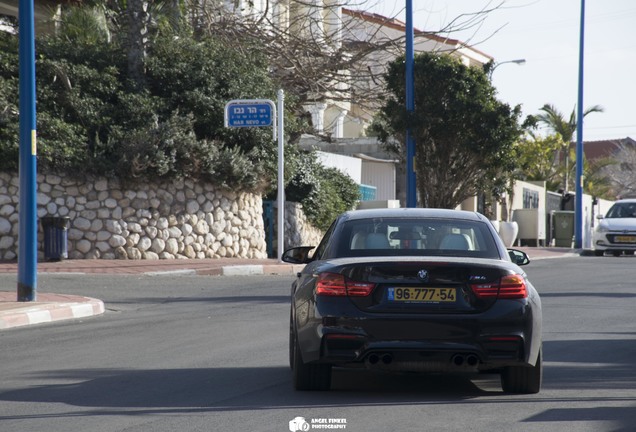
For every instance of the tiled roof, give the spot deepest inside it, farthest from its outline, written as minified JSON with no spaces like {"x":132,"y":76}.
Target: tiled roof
{"x":604,"y":148}
{"x":397,"y":24}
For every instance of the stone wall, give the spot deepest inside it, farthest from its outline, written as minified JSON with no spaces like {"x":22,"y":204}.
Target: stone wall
{"x":298,"y":230}
{"x":179,"y":219}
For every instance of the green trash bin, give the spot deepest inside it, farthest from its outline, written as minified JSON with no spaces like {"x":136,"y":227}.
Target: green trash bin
{"x":563,"y":226}
{"x":55,"y":237}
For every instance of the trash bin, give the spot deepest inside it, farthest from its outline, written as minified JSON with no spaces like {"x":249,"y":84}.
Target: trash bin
{"x":563,"y":226}
{"x":55,"y":237}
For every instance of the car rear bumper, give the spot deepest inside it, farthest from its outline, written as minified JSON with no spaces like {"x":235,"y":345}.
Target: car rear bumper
{"x":423,"y":356}
{"x":507,"y":334}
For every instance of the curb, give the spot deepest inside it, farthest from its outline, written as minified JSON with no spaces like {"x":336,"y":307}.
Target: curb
{"x":235,"y":270}
{"x":565,"y":255}
{"x":58,"y":307}
{"x":49,"y":308}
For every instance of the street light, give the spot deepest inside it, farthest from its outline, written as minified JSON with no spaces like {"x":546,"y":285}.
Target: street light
{"x":578,"y":210}
{"x":411,"y":184}
{"x":517,"y":61}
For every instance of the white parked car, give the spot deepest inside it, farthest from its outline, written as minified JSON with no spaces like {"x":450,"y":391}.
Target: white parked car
{"x":616,"y":231}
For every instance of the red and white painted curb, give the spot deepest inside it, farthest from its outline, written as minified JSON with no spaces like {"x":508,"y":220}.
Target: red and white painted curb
{"x":48,"y":308}
{"x":235,"y":270}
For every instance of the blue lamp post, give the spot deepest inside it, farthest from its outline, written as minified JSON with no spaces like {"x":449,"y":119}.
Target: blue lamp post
{"x":578,"y":213}
{"x":27,"y":242}
{"x":411,"y":189}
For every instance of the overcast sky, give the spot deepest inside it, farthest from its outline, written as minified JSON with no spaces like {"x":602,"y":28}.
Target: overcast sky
{"x":546,"y":34}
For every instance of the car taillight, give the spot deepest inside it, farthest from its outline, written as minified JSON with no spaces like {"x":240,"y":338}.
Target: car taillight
{"x":335,"y":284}
{"x":508,"y":287}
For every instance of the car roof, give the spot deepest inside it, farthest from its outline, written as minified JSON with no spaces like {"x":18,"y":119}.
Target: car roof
{"x":413,"y":213}
{"x":626,"y":200}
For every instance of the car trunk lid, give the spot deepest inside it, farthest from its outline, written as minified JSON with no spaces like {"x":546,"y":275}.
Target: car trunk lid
{"x":432,"y":286}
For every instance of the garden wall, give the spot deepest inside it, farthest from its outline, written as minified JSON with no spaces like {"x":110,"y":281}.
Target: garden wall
{"x":172,"y":220}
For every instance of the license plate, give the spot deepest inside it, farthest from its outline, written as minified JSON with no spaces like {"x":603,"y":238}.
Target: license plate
{"x":625,"y":239}
{"x":422,"y":295}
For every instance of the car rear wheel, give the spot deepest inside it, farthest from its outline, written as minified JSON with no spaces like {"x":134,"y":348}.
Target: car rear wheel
{"x":291,"y":342}
{"x":309,"y":376}
{"x":523,"y":379}
{"x":599,"y":252}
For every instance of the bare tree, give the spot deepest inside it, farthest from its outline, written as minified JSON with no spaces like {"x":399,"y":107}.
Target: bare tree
{"x":623,"y":172}
{"x":322,"y":50}
{"x":328,"y":52}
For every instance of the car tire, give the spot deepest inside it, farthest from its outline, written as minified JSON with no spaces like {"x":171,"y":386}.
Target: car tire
{"x":599,"y":252}
{"x":523,"y":379}
{"x":309,"y":376}
{"x":291,"y":341}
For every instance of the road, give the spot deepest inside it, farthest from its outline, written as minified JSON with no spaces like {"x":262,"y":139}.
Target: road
{"x":199,"y":353}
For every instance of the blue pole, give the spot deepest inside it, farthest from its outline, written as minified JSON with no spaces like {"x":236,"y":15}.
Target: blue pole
{"x":578,"y":215}
{"x":27,"y":242}
{"x":411,"y":189}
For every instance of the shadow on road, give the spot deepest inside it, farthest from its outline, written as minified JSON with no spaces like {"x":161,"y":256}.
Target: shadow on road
{"x":108,"y":392}
{"x":237,"y":389}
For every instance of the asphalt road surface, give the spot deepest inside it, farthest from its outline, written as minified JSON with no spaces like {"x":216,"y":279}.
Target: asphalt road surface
{"x":195,"y":353}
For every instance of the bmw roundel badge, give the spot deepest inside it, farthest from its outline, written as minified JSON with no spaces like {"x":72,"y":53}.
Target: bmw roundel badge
{"x":423,"y":275}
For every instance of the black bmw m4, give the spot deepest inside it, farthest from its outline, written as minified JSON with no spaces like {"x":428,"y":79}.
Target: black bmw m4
{"x":414,"y":290}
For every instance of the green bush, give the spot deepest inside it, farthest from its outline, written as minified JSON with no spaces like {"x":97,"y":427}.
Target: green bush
{"x":89,"y":120}
{"x":9,"y":119}
{"x":323,"y":192}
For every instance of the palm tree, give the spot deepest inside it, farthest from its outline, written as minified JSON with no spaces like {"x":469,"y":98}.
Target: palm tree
{"x":127,"y":22}
{"x":88,"y":25}
{"x":554,"y":119}
{"x":137,"y":41}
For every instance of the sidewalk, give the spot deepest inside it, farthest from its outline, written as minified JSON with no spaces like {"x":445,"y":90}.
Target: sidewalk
{"x":55,"y":307}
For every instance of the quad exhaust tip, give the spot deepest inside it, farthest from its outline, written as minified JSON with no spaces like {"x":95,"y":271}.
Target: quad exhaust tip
{"x":457,"y":360}
{"x":470,"y":360}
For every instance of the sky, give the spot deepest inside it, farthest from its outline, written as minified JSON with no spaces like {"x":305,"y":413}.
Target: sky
{"x":546,"y":33}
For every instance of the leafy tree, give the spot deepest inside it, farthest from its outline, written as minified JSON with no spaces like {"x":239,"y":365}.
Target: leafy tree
{"x":535,"y":155}
{"x":596,"y":181}
{"x":535,"y":159}
{"x":89,"y":120}
{"x":464,"y":136}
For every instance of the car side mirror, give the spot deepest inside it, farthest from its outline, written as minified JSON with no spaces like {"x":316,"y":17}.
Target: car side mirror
{"x":297,"y":255}
{"x":518,"y":257}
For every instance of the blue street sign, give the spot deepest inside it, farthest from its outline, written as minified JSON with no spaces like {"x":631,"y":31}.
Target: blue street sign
{"x":250,"y":113}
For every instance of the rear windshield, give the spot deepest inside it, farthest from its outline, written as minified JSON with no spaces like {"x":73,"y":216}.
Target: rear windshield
{"x":401,"y":236}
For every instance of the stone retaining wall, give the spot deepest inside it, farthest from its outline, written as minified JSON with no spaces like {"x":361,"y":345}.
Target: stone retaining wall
{"x":180,"y":219}
{"x":298,"y":230}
